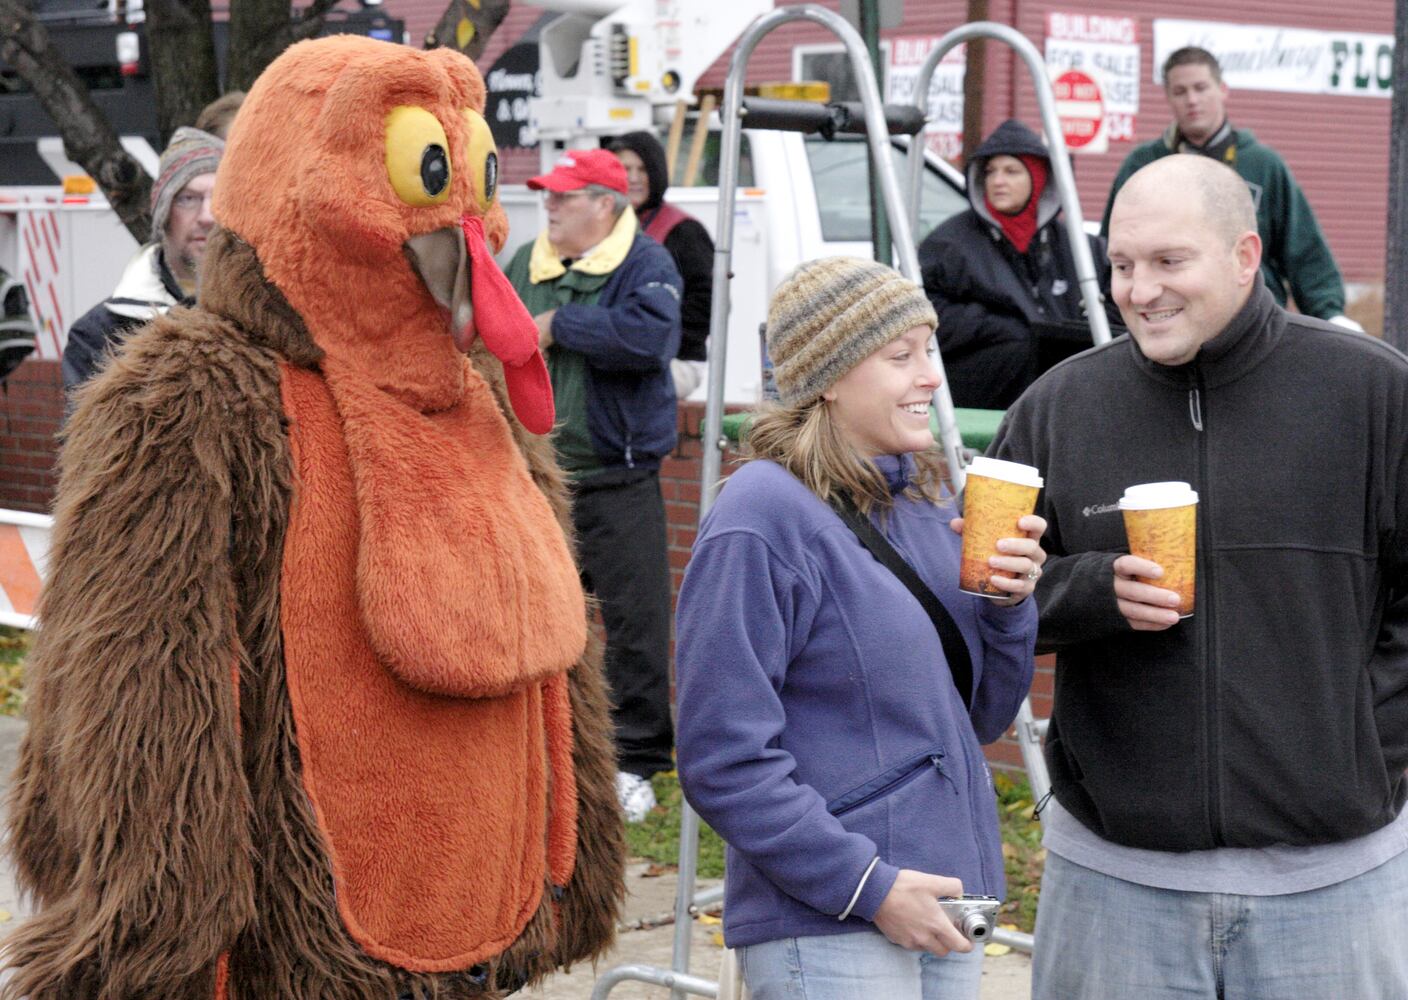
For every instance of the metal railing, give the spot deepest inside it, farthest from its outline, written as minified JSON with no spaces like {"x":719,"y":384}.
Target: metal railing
{"x":903,"y":214}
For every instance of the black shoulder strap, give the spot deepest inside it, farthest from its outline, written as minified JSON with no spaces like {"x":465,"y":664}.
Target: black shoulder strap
{"x":955,"y":647}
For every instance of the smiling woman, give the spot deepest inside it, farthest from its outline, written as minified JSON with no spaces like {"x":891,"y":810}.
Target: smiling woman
{"x":824,"y":732}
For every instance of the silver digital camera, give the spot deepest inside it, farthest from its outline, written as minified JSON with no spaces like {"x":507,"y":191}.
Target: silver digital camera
{"x":975,"y":916}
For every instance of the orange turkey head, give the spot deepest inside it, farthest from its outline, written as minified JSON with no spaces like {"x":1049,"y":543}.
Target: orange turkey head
{"x":365,"y":178}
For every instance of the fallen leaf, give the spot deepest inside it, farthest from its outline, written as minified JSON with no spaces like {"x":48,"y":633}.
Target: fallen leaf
{"x":709,"y":918}
{"x":718,"y":937}
{"x":5,"y":915}
{"x":996,"y":949}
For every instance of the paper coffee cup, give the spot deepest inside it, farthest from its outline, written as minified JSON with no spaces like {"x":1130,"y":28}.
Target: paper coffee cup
{"x":1161,"y":520}
{"x":996,"y":495}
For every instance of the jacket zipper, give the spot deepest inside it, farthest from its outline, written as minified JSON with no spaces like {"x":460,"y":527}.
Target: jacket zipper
{"x":903,"y":775}
{"x":1212,"y":743}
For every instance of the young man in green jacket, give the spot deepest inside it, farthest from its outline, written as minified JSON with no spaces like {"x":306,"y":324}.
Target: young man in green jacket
{"x":1295,"y":256}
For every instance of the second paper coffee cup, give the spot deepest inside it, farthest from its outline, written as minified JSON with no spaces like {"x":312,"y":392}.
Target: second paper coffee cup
{"x":996,"y":495}
{"x":1161,"y":521}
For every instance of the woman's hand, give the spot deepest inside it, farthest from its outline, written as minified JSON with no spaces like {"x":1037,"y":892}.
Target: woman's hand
{"x":1023,"y":556}
{"x":912,"y":918}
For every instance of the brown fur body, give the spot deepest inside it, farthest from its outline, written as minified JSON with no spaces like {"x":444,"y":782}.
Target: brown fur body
{"x":159,"y":817}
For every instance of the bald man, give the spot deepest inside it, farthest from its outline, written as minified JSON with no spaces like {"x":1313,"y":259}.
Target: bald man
{"x":1228,"y":815}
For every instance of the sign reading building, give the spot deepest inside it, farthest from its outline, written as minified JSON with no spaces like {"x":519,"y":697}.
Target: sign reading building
{"x":1106,"y":49}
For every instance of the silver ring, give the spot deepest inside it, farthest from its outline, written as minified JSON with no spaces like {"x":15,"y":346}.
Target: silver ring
{"x":1035,"y":572}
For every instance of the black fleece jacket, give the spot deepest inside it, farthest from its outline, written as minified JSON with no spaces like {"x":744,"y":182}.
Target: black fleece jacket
{"x":1278,"y":713}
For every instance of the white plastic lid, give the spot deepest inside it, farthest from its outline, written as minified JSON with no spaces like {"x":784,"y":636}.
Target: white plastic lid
{"x":1152,"y":496}
{"x":1012,"y":472}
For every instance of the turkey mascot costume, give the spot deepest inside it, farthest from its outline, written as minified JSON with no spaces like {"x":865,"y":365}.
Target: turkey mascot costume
{"x":314,"y":712}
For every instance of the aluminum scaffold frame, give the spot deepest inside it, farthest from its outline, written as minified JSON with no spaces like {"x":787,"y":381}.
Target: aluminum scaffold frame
{"x":903,"y":215}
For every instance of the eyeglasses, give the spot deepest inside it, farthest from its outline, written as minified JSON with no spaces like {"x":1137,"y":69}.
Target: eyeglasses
{"x":189,"y":201}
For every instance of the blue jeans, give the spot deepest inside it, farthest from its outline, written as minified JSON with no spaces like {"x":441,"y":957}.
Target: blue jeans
{"x":1101,"y":938}
{"x":864,"y":965}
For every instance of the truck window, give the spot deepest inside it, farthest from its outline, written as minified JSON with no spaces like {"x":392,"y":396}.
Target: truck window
{"x":708,"y":173}
{"x":843,"y":193}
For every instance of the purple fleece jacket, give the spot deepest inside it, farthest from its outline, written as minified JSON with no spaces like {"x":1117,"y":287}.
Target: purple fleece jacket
{"x":819,"y":726}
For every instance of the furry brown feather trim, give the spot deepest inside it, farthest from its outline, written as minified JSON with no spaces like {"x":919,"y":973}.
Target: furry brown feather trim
{"x":177,"y":474}
{"x":130,"y":817}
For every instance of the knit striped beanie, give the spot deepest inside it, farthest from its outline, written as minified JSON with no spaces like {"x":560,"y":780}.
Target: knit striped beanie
{"x":828,"y":315}
{"x":190,"y":153}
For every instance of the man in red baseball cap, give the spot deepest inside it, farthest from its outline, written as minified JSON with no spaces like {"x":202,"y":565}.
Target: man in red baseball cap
{"x":580,"y":168}
{"x":606,"y":298}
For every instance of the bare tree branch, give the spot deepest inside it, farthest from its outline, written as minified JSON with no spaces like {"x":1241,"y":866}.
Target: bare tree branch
{"x":467,"y":25}
{"x":182,"y":49}
{"x":261,"y":29}
{"x":255,"y":27}
{"x":89,"y":139}
{"x":310,"y":22}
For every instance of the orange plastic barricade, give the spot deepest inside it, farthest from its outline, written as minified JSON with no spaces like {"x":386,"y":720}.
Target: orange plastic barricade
{"x":24,"y":549}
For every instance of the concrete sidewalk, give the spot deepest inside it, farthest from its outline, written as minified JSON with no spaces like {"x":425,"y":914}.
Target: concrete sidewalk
{"x":1007,"y":977}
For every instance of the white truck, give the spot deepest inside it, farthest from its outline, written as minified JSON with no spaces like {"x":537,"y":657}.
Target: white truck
{"x":799,"y":198}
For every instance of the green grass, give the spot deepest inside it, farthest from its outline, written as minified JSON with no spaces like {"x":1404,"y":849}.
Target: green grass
{"x":14,"y":643}
{"x":1021,"y":848}
{"x":657,"y":839}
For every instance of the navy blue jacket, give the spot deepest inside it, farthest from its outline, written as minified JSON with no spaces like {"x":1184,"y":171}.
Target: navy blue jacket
{"x":628,"y":336}
{"x":819,"y":725}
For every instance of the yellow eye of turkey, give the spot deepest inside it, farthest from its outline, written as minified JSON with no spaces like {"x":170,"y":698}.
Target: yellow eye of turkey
{"x":417,"y":156}
{"x":483,"y":159}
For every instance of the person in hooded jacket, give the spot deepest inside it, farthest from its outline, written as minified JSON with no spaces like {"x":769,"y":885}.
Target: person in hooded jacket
{"x":688,"y":242}
{"x":1001,"y":275}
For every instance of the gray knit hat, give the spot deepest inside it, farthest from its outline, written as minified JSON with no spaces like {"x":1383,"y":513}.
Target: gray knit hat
{"x":828,"y":315}
{"x":190,"y":153}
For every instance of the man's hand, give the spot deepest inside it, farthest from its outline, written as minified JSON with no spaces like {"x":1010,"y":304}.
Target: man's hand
{"x":912,"y":918}
{"x":1146,"y":607}
{"x":544,"y":321}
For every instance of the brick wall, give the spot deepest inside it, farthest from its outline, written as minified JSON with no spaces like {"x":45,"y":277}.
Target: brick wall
{"x":31,"y":408}
{"x":679,"y":481}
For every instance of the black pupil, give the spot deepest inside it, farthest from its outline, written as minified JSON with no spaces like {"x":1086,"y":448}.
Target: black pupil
{"x":491,"y":176}
{"x":434,"y":170}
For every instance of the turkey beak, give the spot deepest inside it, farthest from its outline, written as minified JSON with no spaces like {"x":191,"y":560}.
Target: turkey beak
{"x":442,"y":262}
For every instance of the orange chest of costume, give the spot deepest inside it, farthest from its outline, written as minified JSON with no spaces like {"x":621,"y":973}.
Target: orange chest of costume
{"x":430,"y":610}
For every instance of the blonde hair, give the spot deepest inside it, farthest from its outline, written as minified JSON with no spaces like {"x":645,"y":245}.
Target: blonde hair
{"x":804,"y":440}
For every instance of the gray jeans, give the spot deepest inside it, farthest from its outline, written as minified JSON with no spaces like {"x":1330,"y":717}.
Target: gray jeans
{"x":1101,"y":938}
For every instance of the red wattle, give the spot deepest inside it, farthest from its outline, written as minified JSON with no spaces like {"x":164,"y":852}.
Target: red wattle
{"x":507,"y":329}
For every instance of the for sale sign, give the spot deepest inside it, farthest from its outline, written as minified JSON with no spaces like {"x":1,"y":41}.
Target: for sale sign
{"x":1106,"y":49}
{"x":944,"y":133}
